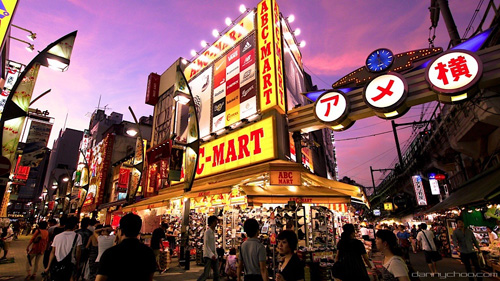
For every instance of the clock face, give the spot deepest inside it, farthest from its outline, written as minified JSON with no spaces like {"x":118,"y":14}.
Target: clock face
{"x":379,"y":60}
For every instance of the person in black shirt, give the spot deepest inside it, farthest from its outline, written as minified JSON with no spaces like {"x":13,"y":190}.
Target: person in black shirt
{"x":292,"y":268}
{"x":130,"y":259}
{"x":352,"y":253}
{"x":156,"y":241}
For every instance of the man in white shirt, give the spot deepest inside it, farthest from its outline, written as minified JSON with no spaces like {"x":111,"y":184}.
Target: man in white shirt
{"x":426,"y":239}
{"x":63,"y":246}
{"x":209,"y":251}
{"x":364,"y":233}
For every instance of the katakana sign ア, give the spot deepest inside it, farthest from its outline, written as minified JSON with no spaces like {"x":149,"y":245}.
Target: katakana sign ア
{"x":386,"y":92}
{"x":331,"y":107}
{"x":454,"y":72}
{"x":419,"y":190}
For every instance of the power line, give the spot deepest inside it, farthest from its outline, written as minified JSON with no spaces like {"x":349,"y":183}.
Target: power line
{"x":377,"y":156}
{"x":372,"y":135}
{"x":328,"y":85}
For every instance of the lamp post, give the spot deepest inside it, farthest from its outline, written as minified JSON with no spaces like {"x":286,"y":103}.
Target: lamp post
{"x":57,"y":56}
{"x":139,"y":166}
{"x":30,"y":47}
{"x":32,"y":35}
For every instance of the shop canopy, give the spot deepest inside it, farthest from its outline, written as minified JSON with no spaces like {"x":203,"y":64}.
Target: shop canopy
{"x":480,"y":189}
{"x":255,"y":182}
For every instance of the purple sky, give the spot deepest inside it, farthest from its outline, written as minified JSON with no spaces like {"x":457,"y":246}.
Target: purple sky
{"x":120,"y":42}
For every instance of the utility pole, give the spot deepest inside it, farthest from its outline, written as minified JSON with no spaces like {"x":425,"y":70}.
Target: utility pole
{"x":394,"y":126}
{"x":450,"y":23}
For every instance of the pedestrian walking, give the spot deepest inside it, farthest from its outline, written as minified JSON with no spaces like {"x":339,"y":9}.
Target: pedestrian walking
{"x":130,"y":259}
{"x":426,"y":240}
{"x":66,"y":250}
{"x":104,"y":240}
{"x":231,"y":264}
{"x":93,"y":248}
{"x":351,"y":254}
{"x":35,"y":249}
{"x":52,"y":224}
{"x":172,"y":234}
{"x":209,"y":251}
{"x":7,"y":236}
{"x":252,"y":255}
{"x":292,"y":268}
{"x":404,"y":242}
{"x":394,"y":267}
{"x":85,"y":233}
{"x":156,"y":242}
{"x":464,"y":240}
{"x":413,"y":238}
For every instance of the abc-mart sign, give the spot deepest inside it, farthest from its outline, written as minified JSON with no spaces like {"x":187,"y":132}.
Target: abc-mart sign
{"x":453,"y":76}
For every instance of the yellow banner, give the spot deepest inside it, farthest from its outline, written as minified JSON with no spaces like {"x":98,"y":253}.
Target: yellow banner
{"x":228,"y":40}
{"x":7,"y":8}
{"x":247,"y":146}
{"x":270,"y":67}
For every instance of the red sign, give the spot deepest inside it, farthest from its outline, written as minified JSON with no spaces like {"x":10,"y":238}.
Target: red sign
{"x":440,"y":177}
{"x":163,"y":169}
{"x":22,"y":173}
{"x":159,"y":152}
{"x":153,"y":90}
{"x":124,"y":178}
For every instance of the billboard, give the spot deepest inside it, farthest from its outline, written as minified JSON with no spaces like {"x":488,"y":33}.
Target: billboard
{"x":201,"y":89}
{"x":234,"y":95}
{"x":7,"y":9}
{"x":270,"y":65}
{"x":232,"y":37}
{"x":295,"y":84}
{"x":13,"y":71}
{"x":39,"y":132}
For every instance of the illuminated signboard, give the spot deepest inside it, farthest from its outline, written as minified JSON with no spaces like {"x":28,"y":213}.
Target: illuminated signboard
{"x":270,"y":64}
{"x":419,"y":190}
{"x":13,"y":71}
{"x":434,"y":187}
{"x":201,"y":89}
{"x":388,"y":206}
{"x":454,"y":72}
{"x":234,"y":95}
{"x":247,"y":146}
{"x":233,"y":36}
{"x":386,"y":92}
{"x":285,"y":178}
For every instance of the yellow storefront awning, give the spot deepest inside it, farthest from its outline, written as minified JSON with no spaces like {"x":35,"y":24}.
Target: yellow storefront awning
{"x":303,"y":194}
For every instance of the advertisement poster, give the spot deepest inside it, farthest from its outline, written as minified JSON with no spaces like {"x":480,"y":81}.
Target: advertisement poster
{"x":201,"y":89}
{"x":234,"y":95}
{"x":294,"y":80}
{"x":39,"y":132}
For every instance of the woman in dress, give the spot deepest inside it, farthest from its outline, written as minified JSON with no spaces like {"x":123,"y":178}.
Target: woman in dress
{"x":394,"y":266}
{"x":291,"y":269}
{"x":352,"y":253}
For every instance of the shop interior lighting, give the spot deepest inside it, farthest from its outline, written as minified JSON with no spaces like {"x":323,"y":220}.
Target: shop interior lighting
{"x":290,"y":18}
{"x":243,"y":8}
{"x":31,"y":36}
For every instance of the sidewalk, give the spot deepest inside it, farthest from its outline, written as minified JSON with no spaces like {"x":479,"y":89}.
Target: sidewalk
{"x":17,"y":272}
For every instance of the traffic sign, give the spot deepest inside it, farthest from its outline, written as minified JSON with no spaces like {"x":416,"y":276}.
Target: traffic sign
{"x":4,"y":165}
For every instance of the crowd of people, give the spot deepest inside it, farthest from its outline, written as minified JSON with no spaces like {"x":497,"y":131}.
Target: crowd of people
{"x":88,"y":250}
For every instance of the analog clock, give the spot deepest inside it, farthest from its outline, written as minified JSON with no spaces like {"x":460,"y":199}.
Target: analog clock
{"x":379,"y":60}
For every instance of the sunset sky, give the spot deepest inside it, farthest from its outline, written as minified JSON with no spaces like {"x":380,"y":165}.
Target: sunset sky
{"x":120,"y":42}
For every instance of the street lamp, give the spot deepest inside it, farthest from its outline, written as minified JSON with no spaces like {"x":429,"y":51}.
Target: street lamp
{"x":31,"y":36}
{"x":55,"y":55}
{"x":30,"y":47}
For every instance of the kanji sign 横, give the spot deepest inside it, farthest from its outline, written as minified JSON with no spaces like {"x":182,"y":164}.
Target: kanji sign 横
{"x":331,"y":107}
{"x":454,"y":72}
{"x":419,"y":190}
{"x":386,"y":92}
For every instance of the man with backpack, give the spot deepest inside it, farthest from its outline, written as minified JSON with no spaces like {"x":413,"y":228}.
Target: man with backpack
{"x":66,"y":251}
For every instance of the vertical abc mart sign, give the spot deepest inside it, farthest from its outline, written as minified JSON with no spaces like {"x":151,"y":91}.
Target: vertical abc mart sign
{"x":332,"y":107}
{"x":454,"y":73}
{"x":386,"y":95}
